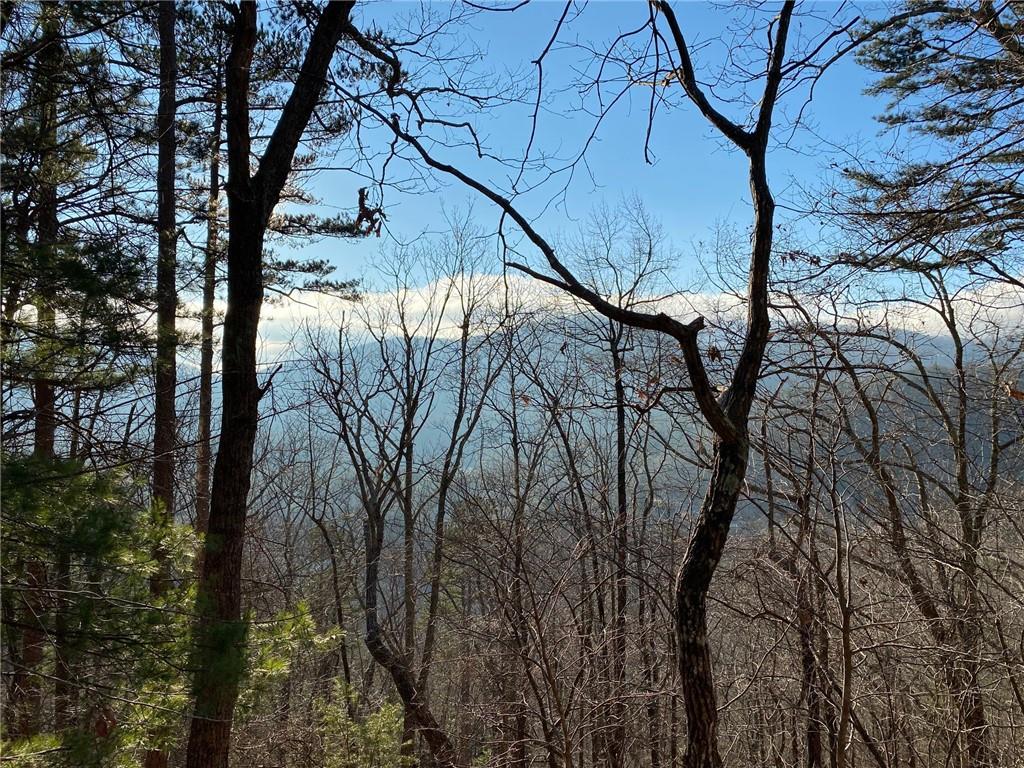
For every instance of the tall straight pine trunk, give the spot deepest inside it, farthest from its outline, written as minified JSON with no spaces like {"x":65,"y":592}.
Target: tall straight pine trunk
{"x":204,"y":447}
{"x":164,"y":426}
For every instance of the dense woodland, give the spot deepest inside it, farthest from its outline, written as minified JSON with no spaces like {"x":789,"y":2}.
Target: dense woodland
{"x":527,"y":494}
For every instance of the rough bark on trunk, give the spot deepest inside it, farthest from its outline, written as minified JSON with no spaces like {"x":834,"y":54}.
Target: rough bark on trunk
{"x":164,"y":412}
{"x":222,"y":630}
{"x":219,"y":649}
{"x":731,"y":446}
{"x":693,"y":653}
{"x":164,"y":428}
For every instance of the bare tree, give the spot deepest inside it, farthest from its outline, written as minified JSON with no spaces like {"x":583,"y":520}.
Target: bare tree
{"x":726,"y":415}
{"x":381,"y":388}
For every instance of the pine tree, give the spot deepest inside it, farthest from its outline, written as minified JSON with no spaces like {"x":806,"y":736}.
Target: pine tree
{"x":953,"y":73}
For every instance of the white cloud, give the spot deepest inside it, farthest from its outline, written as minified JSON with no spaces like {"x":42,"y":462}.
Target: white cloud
{"x":437,"y":307}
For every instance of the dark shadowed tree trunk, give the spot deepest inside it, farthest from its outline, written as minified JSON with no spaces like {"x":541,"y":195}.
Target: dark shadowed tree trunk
{"x":220,"y":653}
{"x":164,"y":432}
{"x":164,"y":426}
{"x":616,"y":741}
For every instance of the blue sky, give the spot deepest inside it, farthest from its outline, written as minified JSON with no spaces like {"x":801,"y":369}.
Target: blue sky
{"x":696,"y":180}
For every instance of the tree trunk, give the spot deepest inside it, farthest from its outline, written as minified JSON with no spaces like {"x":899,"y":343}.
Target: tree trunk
{"x":693,"y":654}
{"x":731,"y":451}
{"x":204,"y":445}
{"x":616,"y":742}
{"x":220,"y":639}
{"x":164,"y":415}
{"x":28,"y":699}
{"x":164,"y":431}
{"x":408,"y":561}
{"x":26,"y":706}
{"x":221,"y":633}
{"x":647,"y":621}
{"x":416,"y":707}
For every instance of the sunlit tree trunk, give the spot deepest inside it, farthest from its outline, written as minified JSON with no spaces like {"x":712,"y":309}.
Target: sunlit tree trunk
{"x":204,"y":446}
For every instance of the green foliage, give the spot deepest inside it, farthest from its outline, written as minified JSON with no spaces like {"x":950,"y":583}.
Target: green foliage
{"x":95,"y":538}
{"x":32,"y":752}
{"x":273,"y":645}
{"x":371,"y":741}
{"x":72,"y":749}
{"x":953,"y":74}
{"x":945,"y":70}
{"x":65,"y":241}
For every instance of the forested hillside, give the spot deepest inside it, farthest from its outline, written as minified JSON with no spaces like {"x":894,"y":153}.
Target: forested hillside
{"x":506,"y":385}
